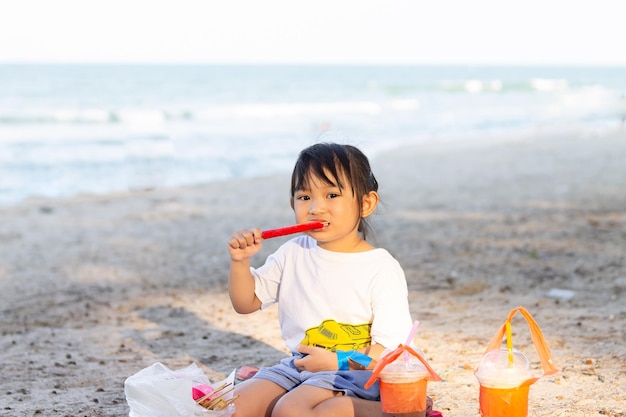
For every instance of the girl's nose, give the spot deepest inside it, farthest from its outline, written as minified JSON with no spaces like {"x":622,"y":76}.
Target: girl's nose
{"x":317,"y":206}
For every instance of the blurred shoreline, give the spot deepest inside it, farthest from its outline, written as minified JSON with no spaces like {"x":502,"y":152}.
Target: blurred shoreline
{"x":440,"y":145}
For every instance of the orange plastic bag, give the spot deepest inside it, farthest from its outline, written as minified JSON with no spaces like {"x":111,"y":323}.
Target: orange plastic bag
{"x":403,"y":375}
{"x":505,"y":375}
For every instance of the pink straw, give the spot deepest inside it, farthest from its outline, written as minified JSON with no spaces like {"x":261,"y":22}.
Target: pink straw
{"x":288,"y":230}
{"x":409,"y":340}
{"x":412,"y":334}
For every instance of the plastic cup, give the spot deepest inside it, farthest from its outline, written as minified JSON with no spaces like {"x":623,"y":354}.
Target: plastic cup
{"x":403,"y":390}
{"x":504,"y":402}
{"x":502,"y":389}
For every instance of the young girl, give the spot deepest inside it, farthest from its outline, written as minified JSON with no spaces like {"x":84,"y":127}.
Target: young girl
{"x":341,"y":301}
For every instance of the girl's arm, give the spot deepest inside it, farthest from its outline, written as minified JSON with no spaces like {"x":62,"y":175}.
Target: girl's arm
{"x":241,"y":288}
{"x":242,"y":246}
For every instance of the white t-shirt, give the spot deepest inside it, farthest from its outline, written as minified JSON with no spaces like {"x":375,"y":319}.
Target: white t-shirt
{"x":335,"y":300}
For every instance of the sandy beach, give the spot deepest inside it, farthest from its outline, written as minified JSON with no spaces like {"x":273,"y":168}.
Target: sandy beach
{"x":95,"y":288}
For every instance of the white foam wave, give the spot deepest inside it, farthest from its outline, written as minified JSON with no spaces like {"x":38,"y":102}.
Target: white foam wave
{"x":548,"y":85}
{"x":127,"y":116}
{"x":136,"y":117}
{"x":60,"y":115}
{"x":277,"y":110}
{"x":81,"y":116}
{"x":473,"y":85}
{"x":141,"y":116}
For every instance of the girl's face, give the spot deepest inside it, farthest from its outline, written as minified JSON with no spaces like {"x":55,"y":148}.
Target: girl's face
{"x":338,"y":207}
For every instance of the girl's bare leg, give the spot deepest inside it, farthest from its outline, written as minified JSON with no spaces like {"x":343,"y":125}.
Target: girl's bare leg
{"x":309,"y":401}
{"x":257,"y":398}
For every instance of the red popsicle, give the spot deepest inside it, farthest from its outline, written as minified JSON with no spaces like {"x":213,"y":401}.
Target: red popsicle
{"x":297,"y":228}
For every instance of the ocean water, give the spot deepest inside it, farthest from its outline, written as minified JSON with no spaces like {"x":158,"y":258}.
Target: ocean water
{"x":73,"y":129}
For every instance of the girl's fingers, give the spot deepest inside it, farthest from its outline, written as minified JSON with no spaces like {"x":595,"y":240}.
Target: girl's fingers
{"x":245,"y":238}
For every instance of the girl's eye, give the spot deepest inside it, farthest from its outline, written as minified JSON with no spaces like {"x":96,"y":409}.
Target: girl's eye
{"x":303,"y":197}
{"x":333,"y":195}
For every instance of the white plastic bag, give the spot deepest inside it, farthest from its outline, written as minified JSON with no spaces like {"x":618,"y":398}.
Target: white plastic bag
{"x":157,"y":391}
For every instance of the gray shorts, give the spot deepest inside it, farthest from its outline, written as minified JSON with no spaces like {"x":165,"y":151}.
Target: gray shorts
{"x":349,"y":383}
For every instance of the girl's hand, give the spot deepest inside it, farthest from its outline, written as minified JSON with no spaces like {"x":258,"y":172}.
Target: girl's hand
{"x":244,"y":244}
{"x":316,"y":359}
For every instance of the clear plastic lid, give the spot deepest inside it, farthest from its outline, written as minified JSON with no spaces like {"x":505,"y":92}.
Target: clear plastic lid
{"x":406,"y":366}
{"x":501,"y":369}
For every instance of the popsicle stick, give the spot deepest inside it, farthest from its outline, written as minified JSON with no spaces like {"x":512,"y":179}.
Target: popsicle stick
{"x":213,"y":393}
{"x":288,"y":230}
{"x":217,"y":399}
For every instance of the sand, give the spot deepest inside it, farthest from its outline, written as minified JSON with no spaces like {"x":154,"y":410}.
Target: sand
{"x":95,"y":288}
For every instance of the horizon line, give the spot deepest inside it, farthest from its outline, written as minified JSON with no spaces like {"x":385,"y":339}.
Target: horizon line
{"x":317,"y":63}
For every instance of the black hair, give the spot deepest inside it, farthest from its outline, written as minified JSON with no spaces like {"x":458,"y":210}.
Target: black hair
{"x":326,"y":162}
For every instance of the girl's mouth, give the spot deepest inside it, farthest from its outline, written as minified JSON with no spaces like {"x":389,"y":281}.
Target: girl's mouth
{"x":325,"y":224}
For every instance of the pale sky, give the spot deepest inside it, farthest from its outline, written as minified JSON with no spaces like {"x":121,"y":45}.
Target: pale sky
{"x":535,"y":32}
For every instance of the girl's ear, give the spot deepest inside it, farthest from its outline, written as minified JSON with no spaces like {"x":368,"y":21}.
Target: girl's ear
{"x":370,"y":201}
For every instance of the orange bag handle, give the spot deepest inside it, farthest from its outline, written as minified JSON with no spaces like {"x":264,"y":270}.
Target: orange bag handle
{"x":392,"y":356}
{"x":541,"y":346}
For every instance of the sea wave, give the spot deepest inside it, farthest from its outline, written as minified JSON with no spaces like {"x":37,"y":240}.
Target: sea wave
{"x":560,"y":89}
{"x":207,"y":112}
{"x":88,"y":116}
{"x":473,"y":85}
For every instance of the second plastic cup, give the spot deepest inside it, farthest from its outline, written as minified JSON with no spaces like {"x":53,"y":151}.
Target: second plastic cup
{"x":503,"y":392}
{"x":504,"y":402}
{"x":403,"y":390}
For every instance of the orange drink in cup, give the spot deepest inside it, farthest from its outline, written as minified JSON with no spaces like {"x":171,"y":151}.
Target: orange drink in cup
{"x":403,"y":375}
{"x":504,"y":402}
{"x":503,"y":376}
{"x":403,"y":393}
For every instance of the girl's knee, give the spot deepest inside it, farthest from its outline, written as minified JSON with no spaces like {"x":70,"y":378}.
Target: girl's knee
{"x":256,"y":398}
{"x":289,"y":409}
